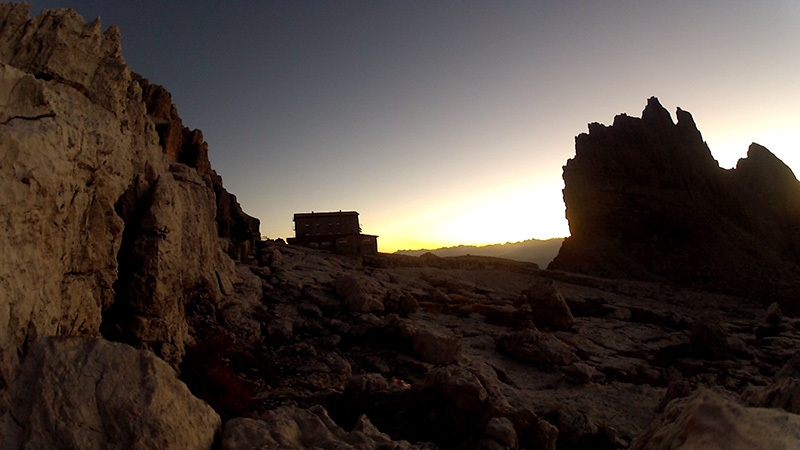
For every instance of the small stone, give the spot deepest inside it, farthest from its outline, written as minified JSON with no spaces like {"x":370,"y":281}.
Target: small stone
{"x":499,"y":434}
{"x":774,"y":314}
{"x":436,"y":346}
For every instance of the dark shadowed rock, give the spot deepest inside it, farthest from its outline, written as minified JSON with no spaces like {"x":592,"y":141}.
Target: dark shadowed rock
{"x":709,"y":340}
{"x":774,"y":314}
{"x":296,"y":428}
{"x":535,"y":347}
{"x":646,"y":200}
{"x":549,"y":308}
{"x":499,"y":435}
{"x":435,"y":345}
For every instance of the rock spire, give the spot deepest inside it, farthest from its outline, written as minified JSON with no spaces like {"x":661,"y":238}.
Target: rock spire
{"x":646,"y":200}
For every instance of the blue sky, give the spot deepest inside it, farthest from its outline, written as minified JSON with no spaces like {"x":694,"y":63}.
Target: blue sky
{"x":448,"y":123}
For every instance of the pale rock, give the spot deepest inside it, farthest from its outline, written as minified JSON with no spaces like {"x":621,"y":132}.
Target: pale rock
{"x":296,"y":428}
{"x":237,"y":311}
{"x":86,"y":393}
{"x":271,"y":257}
{"x":108,"y":236}
{"x":348,"y":285}
{"x":708,"y":421}
{"x":65,"y":162}
{"x":170,"y":256}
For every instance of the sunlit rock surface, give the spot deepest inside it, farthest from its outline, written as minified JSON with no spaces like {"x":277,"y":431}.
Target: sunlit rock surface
{"x":86,"y":393}
{"x":105,"y":234}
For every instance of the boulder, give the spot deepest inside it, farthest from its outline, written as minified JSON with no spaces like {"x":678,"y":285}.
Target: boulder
{"x":93,"y":394}
{"x":363,"y":302}
{"x":499,"y":435}
{"x":708,"y":339}
{"x":436,"y":345}
{"x":360,"y":294}
{"x":550,"y":310}
{"x":447,"y":407}
{"x":706,"y":420}
{"x":774,"y":314}
{"x":532,"y":346}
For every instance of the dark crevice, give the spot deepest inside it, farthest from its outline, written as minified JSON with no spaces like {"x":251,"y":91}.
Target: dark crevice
{"x":118,"y":319}
{"x":43,"y":76}
{"x":40,"y":116}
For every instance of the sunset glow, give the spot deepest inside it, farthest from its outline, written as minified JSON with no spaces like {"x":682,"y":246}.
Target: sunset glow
{"x":502,"y":215}
{"x":446,"y":123}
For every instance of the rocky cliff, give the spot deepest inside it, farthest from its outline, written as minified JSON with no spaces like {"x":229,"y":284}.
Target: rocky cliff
{"x":114,"y":223}
{"x":646,"y":200}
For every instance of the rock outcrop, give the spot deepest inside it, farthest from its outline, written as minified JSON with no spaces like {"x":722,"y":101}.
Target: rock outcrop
{"x":707,"y":420}
{"x":110,"y":229}
{"x":93,"y":394}
{"x":646,"y":200}
{"x":186,"y":146}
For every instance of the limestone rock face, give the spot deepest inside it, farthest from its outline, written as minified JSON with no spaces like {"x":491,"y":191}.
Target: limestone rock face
{"x":93,"y":394}
{"x":67,"y":156}
{"x":708,"y":421}
{"x":104,"y":232}
{"x":186,"y":146}
{"x":169,"y":237}
{"x":646,"y":200}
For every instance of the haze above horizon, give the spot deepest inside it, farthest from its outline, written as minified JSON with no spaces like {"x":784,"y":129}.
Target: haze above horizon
{"x":447,"y":123}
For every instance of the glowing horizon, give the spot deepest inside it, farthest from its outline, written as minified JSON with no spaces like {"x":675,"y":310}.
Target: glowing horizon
{"x":447,"y":123}
{"x":472,"y":224}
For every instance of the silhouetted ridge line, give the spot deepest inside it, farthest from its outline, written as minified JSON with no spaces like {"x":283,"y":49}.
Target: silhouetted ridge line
{"x":537,"y":251}
{"x":646,"y":200}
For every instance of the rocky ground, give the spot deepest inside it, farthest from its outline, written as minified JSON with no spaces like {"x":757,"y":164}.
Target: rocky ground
{"x":477,"y":352}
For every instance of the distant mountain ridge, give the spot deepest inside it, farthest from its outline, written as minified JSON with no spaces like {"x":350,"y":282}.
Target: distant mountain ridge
{"x":537,"y":251}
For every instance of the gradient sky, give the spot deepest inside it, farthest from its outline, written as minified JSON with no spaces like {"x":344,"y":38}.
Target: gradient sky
{"x":448,"y":123}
